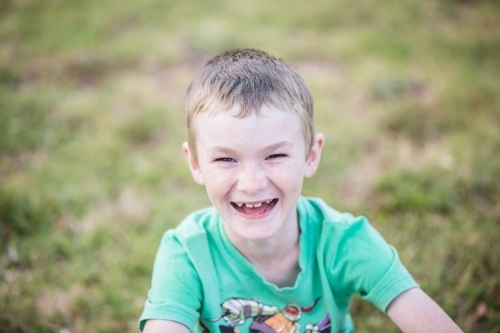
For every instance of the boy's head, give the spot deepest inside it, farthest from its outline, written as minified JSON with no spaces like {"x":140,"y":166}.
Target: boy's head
{"x":252,"y":142}
{"x":248,"y":79}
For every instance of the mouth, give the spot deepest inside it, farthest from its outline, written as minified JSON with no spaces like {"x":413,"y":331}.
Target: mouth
{"x":255,"y":208}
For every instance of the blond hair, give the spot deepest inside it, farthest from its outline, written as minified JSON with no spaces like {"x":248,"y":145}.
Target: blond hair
{"x":249,"y":79}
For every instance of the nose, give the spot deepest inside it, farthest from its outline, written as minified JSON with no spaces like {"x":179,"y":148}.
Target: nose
{"x":252,"y":179}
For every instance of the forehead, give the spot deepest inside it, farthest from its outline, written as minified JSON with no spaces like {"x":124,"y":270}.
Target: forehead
{"x":266,"y":127}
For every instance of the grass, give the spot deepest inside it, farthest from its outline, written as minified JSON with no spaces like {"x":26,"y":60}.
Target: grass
{"x":91,"y":123}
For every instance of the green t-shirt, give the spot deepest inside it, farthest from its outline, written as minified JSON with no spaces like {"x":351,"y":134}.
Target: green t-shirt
{"x":202,"y":281}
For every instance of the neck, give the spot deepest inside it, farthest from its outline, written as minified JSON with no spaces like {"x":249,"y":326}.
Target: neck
{"x":271,"y":250}
{"x":275,"y":258}
{"x":276,"y":246}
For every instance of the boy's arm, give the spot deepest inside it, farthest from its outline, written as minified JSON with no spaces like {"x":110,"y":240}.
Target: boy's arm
{"x":414,"y":311}
{"x":164,"y":326}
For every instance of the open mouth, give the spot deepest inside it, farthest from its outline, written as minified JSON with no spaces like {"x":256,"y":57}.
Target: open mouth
{"x":255,"y":208}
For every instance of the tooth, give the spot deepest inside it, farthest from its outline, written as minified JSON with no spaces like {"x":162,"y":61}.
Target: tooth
{"x":249,"y":205}
{"x":257,"y":205}
{"x":268,"y":201}
{"x":239,"y":205}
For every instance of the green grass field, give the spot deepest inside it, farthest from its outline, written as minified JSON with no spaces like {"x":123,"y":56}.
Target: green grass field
{"x":407,"y":94}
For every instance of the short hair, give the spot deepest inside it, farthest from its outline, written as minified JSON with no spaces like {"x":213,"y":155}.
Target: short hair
{"x":250,"y":79}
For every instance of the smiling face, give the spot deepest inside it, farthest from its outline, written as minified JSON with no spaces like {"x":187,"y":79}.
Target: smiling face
{"x":253,"y":168}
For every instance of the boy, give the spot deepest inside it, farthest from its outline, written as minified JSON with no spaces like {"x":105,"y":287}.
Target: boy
{"x":263,"y":258}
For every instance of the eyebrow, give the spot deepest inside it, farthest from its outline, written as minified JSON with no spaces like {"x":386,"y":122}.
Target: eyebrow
{"x":218,"y":149}
{"x":283,"y":144}
{"x":274,"y":146}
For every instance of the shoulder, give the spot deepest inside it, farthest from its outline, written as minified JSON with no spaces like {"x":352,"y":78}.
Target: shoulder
{"x":344,"y":238}
{"x":330,"y":220}
{"x":195,"y":226}
{"x":189,"y":243}
{"x":184,"y":249}
{"x":331,"y":230}
{"x":348,"y":237}
{"x":356,"y":257}
{"x":316,"y":209}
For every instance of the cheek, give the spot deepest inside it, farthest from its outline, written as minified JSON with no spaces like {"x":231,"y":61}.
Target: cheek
{"x":217,"y":183}
{"x":289,"y":178}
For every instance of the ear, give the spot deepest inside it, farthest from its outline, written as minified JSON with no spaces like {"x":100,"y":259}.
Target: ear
{"x":315,"y":155}
{"x":193,"y":165}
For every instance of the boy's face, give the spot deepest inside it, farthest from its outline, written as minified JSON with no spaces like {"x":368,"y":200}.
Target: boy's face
{"x":253,"y":168}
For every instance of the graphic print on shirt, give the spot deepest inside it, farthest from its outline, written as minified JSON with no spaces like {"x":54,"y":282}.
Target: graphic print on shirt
{"x":265,"y":318}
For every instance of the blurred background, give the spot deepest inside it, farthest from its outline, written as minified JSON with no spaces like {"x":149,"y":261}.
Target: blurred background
{"x":91,"y":124}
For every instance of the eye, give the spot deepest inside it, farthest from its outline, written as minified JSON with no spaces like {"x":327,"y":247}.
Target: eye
{"x":224,"y":159}
{"x":273,"y":156}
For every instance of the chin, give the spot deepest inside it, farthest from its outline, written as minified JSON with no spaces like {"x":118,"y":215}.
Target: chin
{"x":256,"y":234}
{"x":255,"y":238}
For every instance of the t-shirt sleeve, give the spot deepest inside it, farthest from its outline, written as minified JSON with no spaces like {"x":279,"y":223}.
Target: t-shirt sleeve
{"x":367,"y":265}
{"x":175,"y":292}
